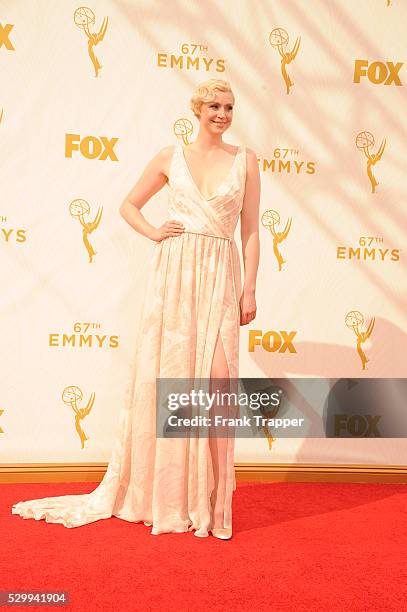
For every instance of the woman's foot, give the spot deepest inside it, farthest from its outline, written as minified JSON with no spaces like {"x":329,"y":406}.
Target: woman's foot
{"x":222,"y":533}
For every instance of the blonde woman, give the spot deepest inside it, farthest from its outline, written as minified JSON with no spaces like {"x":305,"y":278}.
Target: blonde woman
{"x":194,"y":305}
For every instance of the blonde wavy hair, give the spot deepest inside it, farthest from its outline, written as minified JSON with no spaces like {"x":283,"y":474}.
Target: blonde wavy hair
{"x":205,"y":92}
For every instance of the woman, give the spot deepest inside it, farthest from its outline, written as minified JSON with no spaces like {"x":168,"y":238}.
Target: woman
{"x":189,"y":329}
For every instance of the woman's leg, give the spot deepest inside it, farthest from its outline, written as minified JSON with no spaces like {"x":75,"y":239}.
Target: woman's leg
{"x":218,"y":446}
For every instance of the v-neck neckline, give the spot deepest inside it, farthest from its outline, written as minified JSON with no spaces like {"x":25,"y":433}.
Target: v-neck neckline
{"x":220,"y":185}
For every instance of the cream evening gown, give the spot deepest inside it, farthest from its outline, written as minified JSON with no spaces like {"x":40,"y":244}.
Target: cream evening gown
{"x":192,"y":292}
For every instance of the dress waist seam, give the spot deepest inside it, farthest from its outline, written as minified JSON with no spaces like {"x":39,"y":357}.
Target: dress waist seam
{"x":205,"y":234}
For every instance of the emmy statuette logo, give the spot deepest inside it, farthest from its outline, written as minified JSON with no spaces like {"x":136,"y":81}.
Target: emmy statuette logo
{"x":78,"y":209}
{"x":1,"y":430}
{"x":279,"y":40}
{"x":72,"y":396}
{"x":83,"y":18}
{"x":354,"y":320}
{"x":364,"y":141}
{"x":183,"y":130}
{"x":5,"y":36}
{"x":269,"y":412}
{"x":271,"y":219}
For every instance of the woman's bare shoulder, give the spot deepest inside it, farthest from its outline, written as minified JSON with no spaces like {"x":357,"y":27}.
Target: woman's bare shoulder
{"x":165,"y":155}
{"x":250,"y":152}
{"x":252,"y":163}
{"x":166,"y":152}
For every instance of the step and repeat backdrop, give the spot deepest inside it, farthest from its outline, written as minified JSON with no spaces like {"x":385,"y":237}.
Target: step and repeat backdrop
{"x":89,"y":94}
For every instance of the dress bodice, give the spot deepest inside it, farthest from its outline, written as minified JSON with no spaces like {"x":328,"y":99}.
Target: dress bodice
{"x":216,"y":215}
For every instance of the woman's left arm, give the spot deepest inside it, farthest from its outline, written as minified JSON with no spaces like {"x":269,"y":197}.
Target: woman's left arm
{"x":249,"y":229}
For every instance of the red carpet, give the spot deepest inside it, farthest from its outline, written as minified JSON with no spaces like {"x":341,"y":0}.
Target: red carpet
{"x":319,"y":547}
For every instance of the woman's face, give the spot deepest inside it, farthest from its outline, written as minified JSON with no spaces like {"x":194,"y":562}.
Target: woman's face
{"x":217,"y":116}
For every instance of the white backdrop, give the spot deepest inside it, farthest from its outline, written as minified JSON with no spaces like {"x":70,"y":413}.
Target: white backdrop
{"x":68,"y":322}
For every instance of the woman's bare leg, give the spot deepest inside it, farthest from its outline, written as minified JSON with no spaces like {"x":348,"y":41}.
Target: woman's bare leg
{"x":218,"y":446}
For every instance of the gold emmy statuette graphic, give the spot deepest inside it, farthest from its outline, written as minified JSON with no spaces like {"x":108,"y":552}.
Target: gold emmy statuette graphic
{"x":270,"y":219}
{"x":279,"y":39}
{"x":183,"y":128}
{"x":80,"y":208}
{"x":1,"y":430}
{"x":354,"y":320}
{"x":83,"y":18}
{"x":71,"y":396}
{"x":270,"y":415}
{"x":365,"y":140}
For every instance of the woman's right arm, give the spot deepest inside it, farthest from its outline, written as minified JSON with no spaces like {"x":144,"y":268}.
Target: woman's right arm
{"x":152,"y":180}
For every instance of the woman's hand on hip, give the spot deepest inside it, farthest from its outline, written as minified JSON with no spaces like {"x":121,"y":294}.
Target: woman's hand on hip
{"x":169,"y":228}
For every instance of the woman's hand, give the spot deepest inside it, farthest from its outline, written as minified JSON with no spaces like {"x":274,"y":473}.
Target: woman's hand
{"x":248,"y":307}
{"x":169,"y":228}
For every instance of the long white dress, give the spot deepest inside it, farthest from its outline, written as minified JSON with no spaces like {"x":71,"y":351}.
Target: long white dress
{"x":192,"y":293}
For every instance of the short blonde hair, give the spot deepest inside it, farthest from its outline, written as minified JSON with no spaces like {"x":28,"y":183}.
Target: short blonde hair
{"x":205,"y":92}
